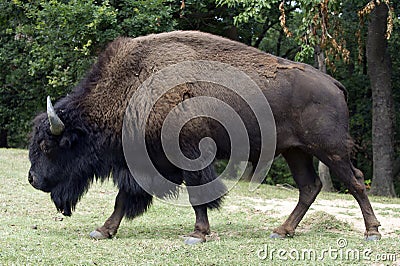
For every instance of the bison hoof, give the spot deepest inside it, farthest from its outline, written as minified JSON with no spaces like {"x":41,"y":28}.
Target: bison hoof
{"x":372,"y":237}
{"x":97,"y":235}
{"x":193,"y":240}
{"x":276,"y":236}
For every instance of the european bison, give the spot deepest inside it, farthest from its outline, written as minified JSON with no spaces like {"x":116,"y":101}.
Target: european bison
{"x":80,"y":139}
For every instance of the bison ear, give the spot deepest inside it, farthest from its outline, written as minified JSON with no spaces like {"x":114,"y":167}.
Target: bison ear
{"x":70,"y":139}
{"x":65,"y":143}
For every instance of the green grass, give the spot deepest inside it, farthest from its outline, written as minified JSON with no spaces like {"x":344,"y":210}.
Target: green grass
{"x":33,"y":233}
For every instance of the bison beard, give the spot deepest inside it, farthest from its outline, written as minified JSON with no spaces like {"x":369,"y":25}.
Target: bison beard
{"x":81,"y":140}
{"x":66,"y":196}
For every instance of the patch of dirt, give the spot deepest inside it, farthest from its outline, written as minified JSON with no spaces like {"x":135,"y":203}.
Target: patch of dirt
{"x":346,"y":211}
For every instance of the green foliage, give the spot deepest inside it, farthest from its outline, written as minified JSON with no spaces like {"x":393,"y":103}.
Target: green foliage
{"x":137,"y":18}
{"x":307,"y":21}
{"x":220,"y":166}
{"x":252,"y":9}
{"x":394,"y":48}
{"x":279,"y":173}
{"x":206,"y":16}
{"x":61,"y":36}
{"x":47,"y":46}
{"x":343,"y":24}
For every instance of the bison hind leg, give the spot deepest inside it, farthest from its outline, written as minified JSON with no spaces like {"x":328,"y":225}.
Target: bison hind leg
{"x":353,"y":179}
{"x":309,"y":184}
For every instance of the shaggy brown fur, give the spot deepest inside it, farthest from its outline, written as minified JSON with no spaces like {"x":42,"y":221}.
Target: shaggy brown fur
{"x":309,"y":108}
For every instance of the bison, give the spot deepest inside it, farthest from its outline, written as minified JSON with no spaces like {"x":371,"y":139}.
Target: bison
{"x":79,"y":140}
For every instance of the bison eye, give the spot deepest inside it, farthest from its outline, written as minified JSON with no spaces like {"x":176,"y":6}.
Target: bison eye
{"x":44,"y":146}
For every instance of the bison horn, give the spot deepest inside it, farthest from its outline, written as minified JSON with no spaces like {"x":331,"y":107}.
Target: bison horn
{"x":56,"y":125}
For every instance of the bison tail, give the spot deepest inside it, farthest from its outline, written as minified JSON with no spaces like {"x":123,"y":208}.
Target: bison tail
{"x":342,"y":88}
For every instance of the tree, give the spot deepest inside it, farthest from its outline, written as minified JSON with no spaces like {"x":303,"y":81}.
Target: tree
{"x":47,"y":46}
{"x":332,"y":26}
{"x":312,"y":34}
{"x":379,"y":71}
{"x":323,"y":170}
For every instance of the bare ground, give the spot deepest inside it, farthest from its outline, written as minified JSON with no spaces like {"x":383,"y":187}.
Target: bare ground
{"x":347,"y":211}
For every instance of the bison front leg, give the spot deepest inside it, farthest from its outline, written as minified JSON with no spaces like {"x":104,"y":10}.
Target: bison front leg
{"x":201,"y":227}
{"x":301,"y":166}
{"x":110,"y":227}
{"x":202,"y":196}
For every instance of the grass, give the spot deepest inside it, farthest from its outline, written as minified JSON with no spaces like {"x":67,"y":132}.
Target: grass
{"x":33,"y":233}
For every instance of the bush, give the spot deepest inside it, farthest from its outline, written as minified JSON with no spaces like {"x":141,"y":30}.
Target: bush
{"x":48,"y":46}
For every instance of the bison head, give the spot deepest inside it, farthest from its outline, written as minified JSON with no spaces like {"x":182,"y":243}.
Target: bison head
{"x":58,"y":156}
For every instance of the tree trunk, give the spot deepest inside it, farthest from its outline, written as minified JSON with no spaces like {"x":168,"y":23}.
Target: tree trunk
{"x":379,"y":71}
{"x":325,"y":177}
{"x":319,"y":59}
{"x":323,"y":170}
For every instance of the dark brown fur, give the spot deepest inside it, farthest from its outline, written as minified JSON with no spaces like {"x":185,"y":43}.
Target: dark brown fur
{"x":309,"y":108}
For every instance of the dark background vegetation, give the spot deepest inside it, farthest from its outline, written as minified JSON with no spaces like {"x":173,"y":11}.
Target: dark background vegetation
{"x":47,"y":46}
